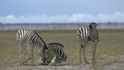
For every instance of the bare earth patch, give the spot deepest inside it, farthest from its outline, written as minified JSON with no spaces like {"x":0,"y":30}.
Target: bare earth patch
{"x":117,"y":65}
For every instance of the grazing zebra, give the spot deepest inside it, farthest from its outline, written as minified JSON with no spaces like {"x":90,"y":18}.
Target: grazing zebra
{"x":55,"y":54}
{"x":28,"y":39}
{"x":88,"y":35}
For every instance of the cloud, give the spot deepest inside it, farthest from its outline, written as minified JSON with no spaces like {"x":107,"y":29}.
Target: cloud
{"x":79,"y":17}
{"x":83,"y":17}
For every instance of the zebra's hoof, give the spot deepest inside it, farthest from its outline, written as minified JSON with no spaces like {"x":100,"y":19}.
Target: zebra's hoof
{"x":43,"y":64}
{"x":61,"y":64}
{"x":52,"y":64}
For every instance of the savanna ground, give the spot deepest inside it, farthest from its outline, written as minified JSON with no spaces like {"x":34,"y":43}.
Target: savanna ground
{"x":110,"y":47}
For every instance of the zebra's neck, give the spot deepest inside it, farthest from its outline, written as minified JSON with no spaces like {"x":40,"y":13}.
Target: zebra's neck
{"x":42,"y":43}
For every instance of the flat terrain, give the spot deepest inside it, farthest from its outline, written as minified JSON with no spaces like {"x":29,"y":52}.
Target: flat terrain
{"x":118,"y":65}
{"x":109,"y":48}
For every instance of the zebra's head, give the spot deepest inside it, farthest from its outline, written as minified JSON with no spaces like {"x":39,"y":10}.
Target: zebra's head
{"x":93,"y":34}
{"x":49,"y":56}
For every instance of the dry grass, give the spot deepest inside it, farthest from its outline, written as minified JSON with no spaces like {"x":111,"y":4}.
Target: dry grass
{"x":109,"y":47}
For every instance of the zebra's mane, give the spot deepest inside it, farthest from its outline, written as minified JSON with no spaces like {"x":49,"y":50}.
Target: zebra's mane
{"x":41,"y":39}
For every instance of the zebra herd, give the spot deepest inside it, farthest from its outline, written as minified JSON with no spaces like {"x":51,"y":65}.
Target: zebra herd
{"x":53,"y":53}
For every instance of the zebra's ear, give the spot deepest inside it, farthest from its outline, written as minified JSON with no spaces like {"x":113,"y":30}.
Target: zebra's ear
{"x":92,"y":25}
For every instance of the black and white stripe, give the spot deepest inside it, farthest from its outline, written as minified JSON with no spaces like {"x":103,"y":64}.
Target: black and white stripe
{"x":88,"y":35}
{"x":56,"y":54}
{"x":29,"y":39}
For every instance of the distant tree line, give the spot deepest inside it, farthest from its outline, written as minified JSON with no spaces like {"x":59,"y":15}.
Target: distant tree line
{"x":106,"y":23}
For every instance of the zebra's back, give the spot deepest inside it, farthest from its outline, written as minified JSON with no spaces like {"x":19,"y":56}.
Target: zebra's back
{"x":83,"y":31}
{"x":29,"y":36}
{"x":56,"y":49}
{"x":83,"y":34}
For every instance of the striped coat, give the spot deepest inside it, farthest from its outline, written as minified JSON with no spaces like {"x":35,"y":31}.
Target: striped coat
{"x":28,"y":39}
{"x":56,"y":54}
{"x":88,"y":35}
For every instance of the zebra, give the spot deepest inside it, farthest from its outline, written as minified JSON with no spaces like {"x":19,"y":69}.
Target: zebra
{"x":55,"y":54}
{"x":28,"y":39}
{"x":88,"y":35}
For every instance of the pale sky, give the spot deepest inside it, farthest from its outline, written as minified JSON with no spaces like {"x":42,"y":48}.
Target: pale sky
{"x":46,"y":11}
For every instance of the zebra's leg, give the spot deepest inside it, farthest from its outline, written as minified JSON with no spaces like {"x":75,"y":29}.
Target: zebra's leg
{"x":80,"y":54}
{"x":42,"y":56}
{"x":84,"y":56}
{"x":53,"y":61}
{"x":59,"y":61}
{"x":30,"y":53}
{"x":21,"y":53}
{"x":93,"y":54}
{"x":80,"y":49}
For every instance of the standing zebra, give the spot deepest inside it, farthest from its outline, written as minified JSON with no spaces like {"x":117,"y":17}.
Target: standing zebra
{"x":86,"y":35}
{"x":28,"y":39}
{"x":55,"y":54}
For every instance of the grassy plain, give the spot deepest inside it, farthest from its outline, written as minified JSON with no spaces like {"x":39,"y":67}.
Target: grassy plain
{"x":111,"y":45}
